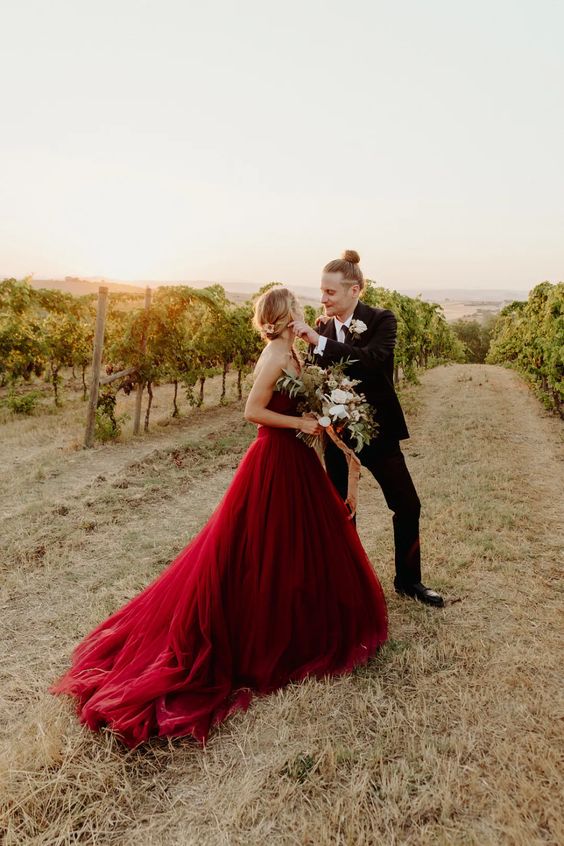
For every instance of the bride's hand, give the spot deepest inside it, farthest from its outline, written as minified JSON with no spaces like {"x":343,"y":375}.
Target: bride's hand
{"x":322,"y":319}
{"x":309,"y":425}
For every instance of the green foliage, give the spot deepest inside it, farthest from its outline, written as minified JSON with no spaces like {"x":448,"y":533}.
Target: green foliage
{"x":185,"y":337}
{"x":424,"y":338}
{"x":21,"y":347}
{"x":23,"y":404}
{"x":42,"y":330}
{"x":530,"y":337}
{"x":107,"y":425}
{"x":310,"y":314}
{"x":476,"y":337}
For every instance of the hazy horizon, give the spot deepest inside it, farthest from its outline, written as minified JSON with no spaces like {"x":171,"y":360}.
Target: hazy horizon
{"x":246,"y":143}
{"x":241,"y":287}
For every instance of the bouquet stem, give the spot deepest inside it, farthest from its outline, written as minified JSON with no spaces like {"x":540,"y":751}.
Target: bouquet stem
{"x":310,"y":440}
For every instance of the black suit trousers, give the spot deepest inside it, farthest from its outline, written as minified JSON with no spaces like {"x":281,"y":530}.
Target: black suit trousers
{"x":386,"y":462}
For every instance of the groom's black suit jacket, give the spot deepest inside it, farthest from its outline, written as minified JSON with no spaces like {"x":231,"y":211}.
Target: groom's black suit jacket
{"x":374,"y":365}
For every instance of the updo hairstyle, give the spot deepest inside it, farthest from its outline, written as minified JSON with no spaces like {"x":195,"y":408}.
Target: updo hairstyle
{"x":274,"y":310}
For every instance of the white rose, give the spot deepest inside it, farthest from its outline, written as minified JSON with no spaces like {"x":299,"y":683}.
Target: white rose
{"x":357,"y":327}
{"x":324,"y":421}
{"x":338,"y":411}
{"x":338,"y":396}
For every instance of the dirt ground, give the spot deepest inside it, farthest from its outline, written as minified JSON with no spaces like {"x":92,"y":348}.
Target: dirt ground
{"x":450,"y":735}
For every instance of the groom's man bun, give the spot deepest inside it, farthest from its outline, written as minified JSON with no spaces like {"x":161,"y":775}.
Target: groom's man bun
{"x":349,"y":266}
{"x":352,"y":256}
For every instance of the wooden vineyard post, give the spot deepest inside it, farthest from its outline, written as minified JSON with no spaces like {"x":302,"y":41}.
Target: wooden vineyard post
{"x":141,"y":385}
{"x":96,"y":362}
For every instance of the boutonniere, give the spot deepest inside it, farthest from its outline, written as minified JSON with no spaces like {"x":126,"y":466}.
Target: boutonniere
{"x":356,"y":328}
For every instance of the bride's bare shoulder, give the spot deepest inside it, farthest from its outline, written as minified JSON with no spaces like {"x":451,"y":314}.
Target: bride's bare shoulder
{"x":271,"y":359}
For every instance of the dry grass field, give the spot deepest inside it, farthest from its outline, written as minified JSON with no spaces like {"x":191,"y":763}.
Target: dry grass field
{"x":451,"y":735}
{"x":470,"y":310}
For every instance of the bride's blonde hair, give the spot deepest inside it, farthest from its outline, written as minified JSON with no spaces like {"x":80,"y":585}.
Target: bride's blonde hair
{"x":274,"y":310}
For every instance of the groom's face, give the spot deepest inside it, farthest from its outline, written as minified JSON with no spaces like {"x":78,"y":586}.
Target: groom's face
{"x":337,"y":297}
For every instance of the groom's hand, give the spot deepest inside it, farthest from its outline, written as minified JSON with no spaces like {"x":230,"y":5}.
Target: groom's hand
{"x":304,"y":331}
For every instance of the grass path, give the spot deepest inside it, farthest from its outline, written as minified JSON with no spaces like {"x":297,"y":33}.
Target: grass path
{"x":449,"y":736}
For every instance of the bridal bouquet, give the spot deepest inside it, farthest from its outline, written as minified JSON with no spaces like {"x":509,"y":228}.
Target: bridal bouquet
{"x":330,"y":395}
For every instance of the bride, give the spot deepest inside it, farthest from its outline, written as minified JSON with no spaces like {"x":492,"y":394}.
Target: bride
{"x":275,"y":587}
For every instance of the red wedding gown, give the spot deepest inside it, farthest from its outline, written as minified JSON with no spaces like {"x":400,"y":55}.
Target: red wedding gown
{"x":275,"y":587}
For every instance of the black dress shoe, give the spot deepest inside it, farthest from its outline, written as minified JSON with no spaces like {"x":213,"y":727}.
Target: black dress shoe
{"x":421,"y":593}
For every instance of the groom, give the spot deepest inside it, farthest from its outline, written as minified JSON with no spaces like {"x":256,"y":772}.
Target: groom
{"x":358,"y":331}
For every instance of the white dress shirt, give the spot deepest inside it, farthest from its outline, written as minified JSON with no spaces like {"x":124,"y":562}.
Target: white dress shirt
{"x":340,"y":335}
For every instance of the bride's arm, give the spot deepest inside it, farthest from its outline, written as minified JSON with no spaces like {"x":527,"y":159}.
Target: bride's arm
{"x":261,"y":394}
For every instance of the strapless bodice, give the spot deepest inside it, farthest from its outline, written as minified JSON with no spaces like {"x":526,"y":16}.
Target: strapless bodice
{"x":282,"y":403}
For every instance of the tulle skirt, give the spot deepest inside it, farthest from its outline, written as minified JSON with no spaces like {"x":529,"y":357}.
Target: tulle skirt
{"x":274,"y":588}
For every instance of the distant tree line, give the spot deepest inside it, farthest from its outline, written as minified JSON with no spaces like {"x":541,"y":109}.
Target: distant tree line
{"x":476,"y":336}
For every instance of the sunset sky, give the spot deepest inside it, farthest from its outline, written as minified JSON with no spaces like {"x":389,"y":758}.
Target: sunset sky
{"x":254,"y":141}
